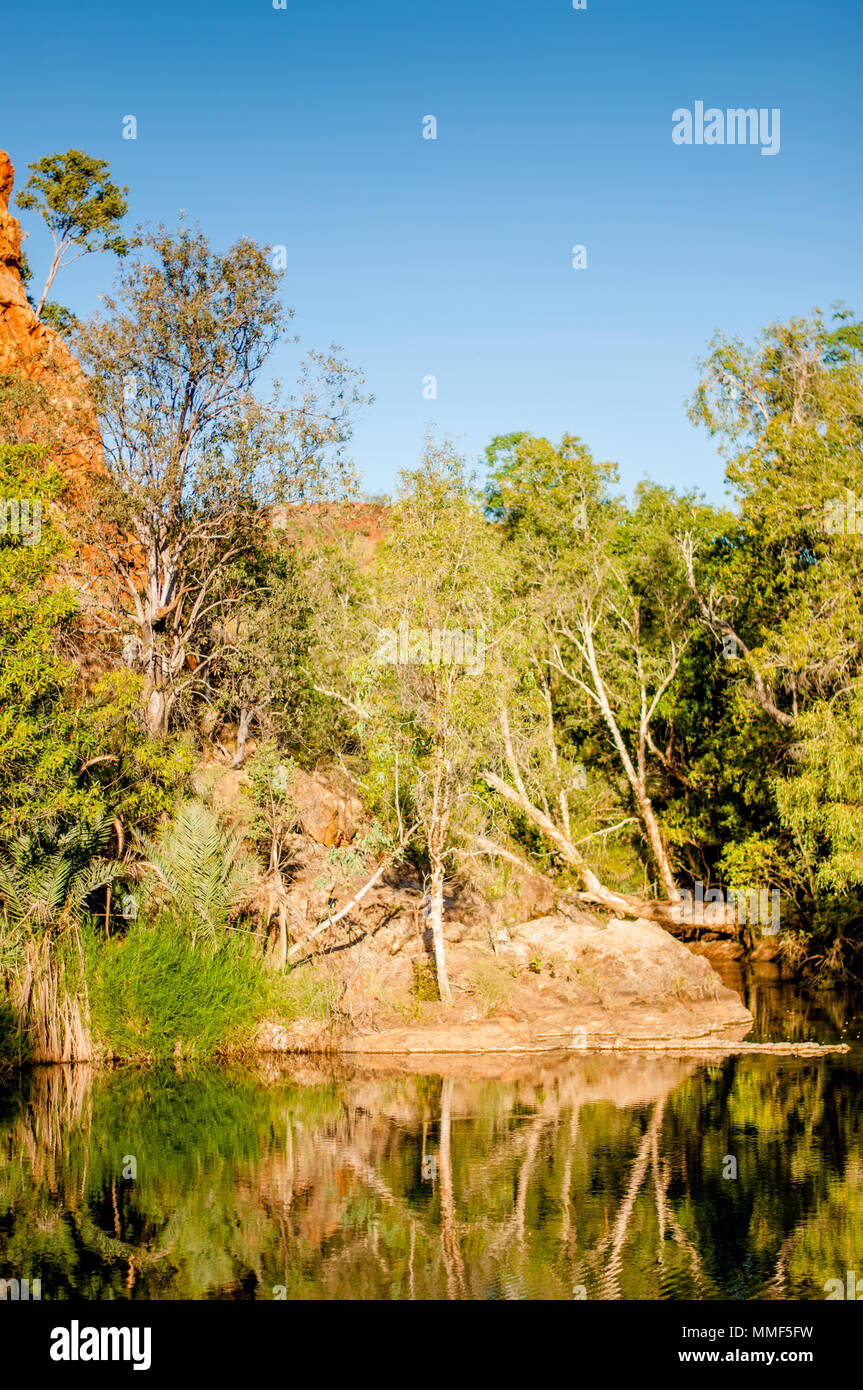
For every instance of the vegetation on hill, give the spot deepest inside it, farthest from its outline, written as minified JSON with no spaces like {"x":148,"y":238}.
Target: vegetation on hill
{"x":632,"y":696}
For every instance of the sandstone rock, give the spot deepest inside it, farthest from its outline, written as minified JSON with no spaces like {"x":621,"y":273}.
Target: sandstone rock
{"x":634,"y":960}
{"x":30,"y":349}
{"x":326,"y":813}
{"x":530,"y":897}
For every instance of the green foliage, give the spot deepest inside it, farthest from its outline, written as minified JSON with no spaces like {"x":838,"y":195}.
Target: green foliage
{"x":77,"y":200}
{"x":271,"y":776}
{"x":750,"y":862}
{"x":440,"y":570}
{"x":46,"y":880}
{"x":306,"y":992}
{"x":199,"y":453}
{"x":492,"y":982}
{"x":424,"y":987}
{"x":11,"y":945}
{"x":81,"y":207}
{"x":58,"y":317}
{"x":37,"y":753}
{"x":155,"y":994}
{"x":821,"y":799}
{"x":137,"y":776}
{"x":260,"y":660}
{"x":789,"y":414}
{"x":65,"y":756}
{"x":199,"y":869}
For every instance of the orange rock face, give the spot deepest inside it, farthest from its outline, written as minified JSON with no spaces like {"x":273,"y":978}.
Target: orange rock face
{"x":59,"y":416}
{"x":32,"y":350}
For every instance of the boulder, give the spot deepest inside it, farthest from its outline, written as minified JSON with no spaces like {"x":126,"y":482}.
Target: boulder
{"x":326,"y":813}
{"x":634,"y":960}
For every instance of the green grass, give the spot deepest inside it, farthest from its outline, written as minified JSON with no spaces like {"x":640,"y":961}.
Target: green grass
{"x":155,"y":994}
{"x":424,"y":983}
{"x":306,"y":993}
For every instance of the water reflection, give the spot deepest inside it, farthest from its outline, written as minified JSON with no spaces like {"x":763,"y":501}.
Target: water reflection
{"x":596,"y":1176}
{"x":790,"y":1012}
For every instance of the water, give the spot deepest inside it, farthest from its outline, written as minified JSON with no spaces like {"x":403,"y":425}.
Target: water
{"x":545,"y":1177}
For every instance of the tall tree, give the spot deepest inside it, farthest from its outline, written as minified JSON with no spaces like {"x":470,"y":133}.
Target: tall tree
{"x":422,"y":660}
{"x":787,"y":589}
{"x":612,"y":612}
{"x":432,"y":682}
{"x":196,"y":453}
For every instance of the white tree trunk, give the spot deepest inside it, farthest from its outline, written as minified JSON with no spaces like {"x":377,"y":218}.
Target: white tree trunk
{"x":242,"y":736}
{"x":156,"y":712}
{"x":436,"y":925}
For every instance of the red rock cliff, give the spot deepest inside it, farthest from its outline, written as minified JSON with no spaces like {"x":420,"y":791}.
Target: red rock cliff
{"x":32,"y":350}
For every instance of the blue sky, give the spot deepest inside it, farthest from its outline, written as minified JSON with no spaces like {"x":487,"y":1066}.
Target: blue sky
{"x":303,"y":127}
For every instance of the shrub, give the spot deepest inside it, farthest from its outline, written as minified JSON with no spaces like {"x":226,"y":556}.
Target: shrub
{"x":306,"y":993}
{"x":491,"y":981}
{"x":199,"y":865}
{"x":424,"y":986}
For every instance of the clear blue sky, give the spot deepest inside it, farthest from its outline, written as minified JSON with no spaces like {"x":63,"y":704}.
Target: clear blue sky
{"x":452,"y":257}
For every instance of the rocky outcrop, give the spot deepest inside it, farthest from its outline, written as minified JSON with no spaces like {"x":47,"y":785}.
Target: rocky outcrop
{"x":16,"y":316}
{"x":30,"y":350}
{"x":559,"y":983}
{"x":621,"y":960}
{"x":328,"y":815}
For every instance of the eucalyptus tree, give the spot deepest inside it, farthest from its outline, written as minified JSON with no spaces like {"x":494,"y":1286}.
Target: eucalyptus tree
{"x":196,"y":450}
{"x":259,"y":675}
{"x":612,"y":611}
{"x":788,"y":414}
{"x":441,"y":654}
{"x":418,"y":652}
{"x":82,"y":209}
{"x":787,"y":589}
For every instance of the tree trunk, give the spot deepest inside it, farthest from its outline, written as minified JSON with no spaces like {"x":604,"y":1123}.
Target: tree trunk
{"x":156,"y":712}
{"x":667,"y":914}
{"x":436,"y":925}
{"x":242,"y":736}
{"x":635,"y":778}
{"x":55,"y":266}
{"x":657,"y":844}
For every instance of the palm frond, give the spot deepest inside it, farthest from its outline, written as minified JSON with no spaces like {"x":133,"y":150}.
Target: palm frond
{"x":200,"y":864}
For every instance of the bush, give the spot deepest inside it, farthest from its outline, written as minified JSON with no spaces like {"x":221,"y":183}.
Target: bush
{"x":424,"y":986}
{"x":491,"y":982}
{"x":307,"y":993}
{"x":199,"y":865}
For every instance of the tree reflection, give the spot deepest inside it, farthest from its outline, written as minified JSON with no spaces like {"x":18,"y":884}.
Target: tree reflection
{"x":527,"y":1180}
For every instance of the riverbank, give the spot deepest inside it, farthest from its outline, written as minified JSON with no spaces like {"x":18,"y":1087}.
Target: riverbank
{"x":567,"y":982}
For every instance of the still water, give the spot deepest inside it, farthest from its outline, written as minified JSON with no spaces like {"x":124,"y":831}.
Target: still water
{"x":545,"y":1177}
